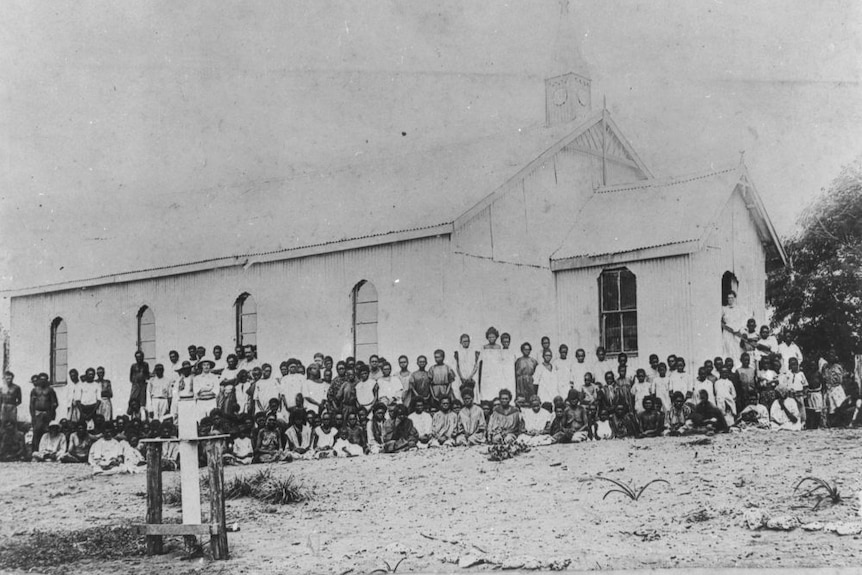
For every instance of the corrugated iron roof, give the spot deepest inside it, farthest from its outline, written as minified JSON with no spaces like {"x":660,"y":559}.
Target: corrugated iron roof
{"x":648,"y":214}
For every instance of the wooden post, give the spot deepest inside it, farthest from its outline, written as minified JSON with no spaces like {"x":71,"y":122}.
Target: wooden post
{"x":218,"y":540}
{"x":155,"y":543}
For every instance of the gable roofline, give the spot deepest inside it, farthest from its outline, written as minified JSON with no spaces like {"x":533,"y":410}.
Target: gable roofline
{"x":749,"y":194}
{"x":552,"y":151}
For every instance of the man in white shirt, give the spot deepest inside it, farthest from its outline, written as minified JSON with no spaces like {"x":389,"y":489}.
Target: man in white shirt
{"x":578,"y":369}
{"x":106,"y":455}
{"x":89,"y":396}
{"x":160,"y":393}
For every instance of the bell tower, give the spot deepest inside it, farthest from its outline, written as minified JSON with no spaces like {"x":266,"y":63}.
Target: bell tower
{"x":568,"y":95}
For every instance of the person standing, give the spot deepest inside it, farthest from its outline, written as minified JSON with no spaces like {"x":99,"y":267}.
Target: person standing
{"x":466,"y":364}
{"x":525,"y":369}
{"x":106,"y":407}
{"x":43,"y":407}
{"x":10,"y":399}
{"x":139,"y":374}
{"x":733,"y":322}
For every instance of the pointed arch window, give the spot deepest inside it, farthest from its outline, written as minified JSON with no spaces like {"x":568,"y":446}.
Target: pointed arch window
{"x":364,"y":320}
{"x":729,"y":283}
{"x":147,"y":334}
{"x":246,"y":320}
{"x":618,"y":314}
{"x":59,"y":351}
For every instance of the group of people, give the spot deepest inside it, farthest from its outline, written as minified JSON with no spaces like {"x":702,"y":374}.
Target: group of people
{"x":476,"y":396}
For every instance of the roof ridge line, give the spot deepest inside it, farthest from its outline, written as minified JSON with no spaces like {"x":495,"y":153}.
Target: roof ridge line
{"x":665,"y":181}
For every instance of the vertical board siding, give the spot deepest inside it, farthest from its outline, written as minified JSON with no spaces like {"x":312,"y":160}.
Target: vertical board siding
{"x":304,"y":306}
{"x":663,"y":305}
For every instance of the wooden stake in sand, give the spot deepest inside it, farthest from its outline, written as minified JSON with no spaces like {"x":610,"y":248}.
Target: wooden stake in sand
{"x":190,"y":487}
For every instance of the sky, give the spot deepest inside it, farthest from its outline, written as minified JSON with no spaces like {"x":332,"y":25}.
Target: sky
{"x":125,"y":122}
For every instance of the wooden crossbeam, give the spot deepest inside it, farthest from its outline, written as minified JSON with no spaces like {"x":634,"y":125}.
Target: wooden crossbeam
{"x":176,"y":529}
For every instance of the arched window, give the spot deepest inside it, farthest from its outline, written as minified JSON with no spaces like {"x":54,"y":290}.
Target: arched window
{"x":364,"y":320}
{"x":729,"y":283}
{"x":59,"y":347}
{"x":618,"y":316}
{"x":147,"y":334}
{"x":246,"y":320}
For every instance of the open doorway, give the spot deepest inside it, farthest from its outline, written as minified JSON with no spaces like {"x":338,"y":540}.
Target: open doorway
{"x":729,"y":283}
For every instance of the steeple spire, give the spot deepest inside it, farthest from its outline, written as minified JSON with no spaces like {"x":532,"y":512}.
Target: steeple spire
{"x":567,"y":56}
{"x":567,"y":84}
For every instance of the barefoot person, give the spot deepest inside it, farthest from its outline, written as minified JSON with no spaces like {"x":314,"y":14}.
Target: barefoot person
{"x":10,"y":399}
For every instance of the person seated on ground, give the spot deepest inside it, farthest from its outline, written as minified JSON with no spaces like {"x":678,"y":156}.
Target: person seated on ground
{"x":471,"y":420}
{"x":784,"y":413}
{"x":593,"y":416}
{"x":298,"y":436}
{"x":421,"y":422}
{"x":133,"y":460}
{"x":444,"y":425}
{"x":399,"y":433}
{"x":13,"y":446}
{"x":324,"y":437}
{"x":651,"y":421}
{"x":579,"y":416}
{"x":754,"y":415}
{"x":106,"y":454}
{"x":561,"y":427}
{"x":642,"y":388}
{"x":269,"y":447}
{"x":603,"y":429}
{"x":52,"y":445}
{"x":374,"y":429}
{"x":725,"y":396}
{"x":344,"y":447}
{"x":506,"y":423}
{"x":706,"y":416}
{"x":624,"y":423}
{"x":241,"y":449}
{"x":80,"y":442}
{"x":487,"y":410}
{"x":537,"y":423}
{"x":676,"y":416}
{"x":355,"y":431}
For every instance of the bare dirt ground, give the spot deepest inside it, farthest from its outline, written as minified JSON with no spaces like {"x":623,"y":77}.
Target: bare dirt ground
{"x":428,"y":508}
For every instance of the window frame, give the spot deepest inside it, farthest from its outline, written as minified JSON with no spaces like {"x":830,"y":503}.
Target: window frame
{"x":53,"y":349}
{"x":140,"y":341}
{"x":619,"y":312}
{"x":355,"y":303}
{"x":239,"y":307}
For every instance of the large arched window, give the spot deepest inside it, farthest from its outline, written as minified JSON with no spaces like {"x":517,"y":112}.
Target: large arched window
{"x":59,"y":347}
{"x":147,"y":334}
{"x":364,"y":320}
{"x":618,"y":316}
{"x":246,"y":320}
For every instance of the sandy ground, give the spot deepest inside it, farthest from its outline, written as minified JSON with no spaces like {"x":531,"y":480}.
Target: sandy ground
{"x":431,"y":507}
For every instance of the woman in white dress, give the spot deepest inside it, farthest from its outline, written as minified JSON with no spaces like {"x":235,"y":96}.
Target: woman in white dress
{"x":733,"y":320}
{"x":496,"y":372}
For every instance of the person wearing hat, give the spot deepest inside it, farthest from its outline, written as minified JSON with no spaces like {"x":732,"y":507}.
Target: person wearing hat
{"x":206,"y":388}
{"x":51,"y":445}
{"x":106,"y":455}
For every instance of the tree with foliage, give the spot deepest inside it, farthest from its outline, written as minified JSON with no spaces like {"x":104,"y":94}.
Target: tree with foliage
{"x":817,"y":299}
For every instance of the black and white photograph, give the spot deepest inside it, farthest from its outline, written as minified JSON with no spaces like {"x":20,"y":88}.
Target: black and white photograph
{"x":440,"y":286}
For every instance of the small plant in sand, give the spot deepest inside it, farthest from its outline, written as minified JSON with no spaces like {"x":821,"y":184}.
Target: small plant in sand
{"x":829,"y":492}
{"x":389,"y":568}
{"x":503,"y":451}
{"x":629,"y":491}
{"x":265,"y":486}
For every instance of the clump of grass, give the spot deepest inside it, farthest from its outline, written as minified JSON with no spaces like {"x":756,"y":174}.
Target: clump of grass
{"x":44,"y":549}
{"x":830,"y":492}
{"x":629,"y":491}
{"x":389,"y":568}
{"x":265,"y":486}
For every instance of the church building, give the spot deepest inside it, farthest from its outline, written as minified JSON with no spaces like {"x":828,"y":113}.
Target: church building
{"x":557,"y":230}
